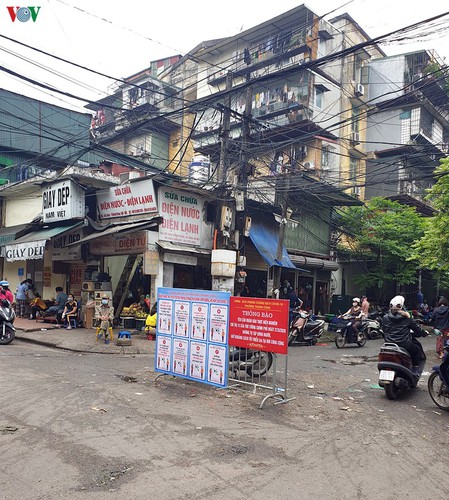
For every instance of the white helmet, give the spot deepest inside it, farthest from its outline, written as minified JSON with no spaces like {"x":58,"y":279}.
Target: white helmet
{"x":397,"y":302}
{"x":356,"y":299}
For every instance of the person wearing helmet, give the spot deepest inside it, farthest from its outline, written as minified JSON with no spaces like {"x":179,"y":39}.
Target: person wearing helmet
{"x":356,"y":313}
{"x":440,"y":318}
{"x":399,"y":328}
{"x":294,"y":301}
{"x":5,"y":292}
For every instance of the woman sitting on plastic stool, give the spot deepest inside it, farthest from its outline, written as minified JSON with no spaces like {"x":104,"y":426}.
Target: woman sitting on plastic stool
{"x":70,"y":311}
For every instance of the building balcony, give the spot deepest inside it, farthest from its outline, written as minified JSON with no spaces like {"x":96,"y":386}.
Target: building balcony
{"x":266,"y":60}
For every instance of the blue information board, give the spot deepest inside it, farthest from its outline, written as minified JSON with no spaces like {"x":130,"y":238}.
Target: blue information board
{"x":192,"y":335}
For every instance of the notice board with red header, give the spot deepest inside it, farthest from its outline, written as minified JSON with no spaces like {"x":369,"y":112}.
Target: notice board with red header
{"x":260,"y":324}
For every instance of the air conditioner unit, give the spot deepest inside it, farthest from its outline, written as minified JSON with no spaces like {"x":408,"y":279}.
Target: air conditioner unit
{"x":359,"y":90}
{"x":309,"y":165}
{"x":417,"y":77}
{"x":88,"y":286}
{"x":355,"y":138}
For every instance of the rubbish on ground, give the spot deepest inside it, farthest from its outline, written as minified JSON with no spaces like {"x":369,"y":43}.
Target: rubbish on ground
{"x":138,"y":393}
{"x":394,"y":433}
{"x":98,"y":409}
{"x":375,"y":386}
{"x":345,"y":408}
{"x":311,"y":386}
{"x":8,"y":428}
{"x":437,"y":412}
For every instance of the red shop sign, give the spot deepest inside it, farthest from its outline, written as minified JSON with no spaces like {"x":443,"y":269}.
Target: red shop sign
{"x":260,"y":324}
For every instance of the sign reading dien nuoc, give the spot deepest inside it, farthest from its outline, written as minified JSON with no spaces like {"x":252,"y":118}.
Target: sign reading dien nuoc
{"x":136,"y":198}
{"x":182,"y":215}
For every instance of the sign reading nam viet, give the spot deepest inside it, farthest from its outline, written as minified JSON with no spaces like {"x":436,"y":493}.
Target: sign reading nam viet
{"x":191,"y":335}
{"x":136,"y":198}
{"x":182,"y":217}
{"x":260,"y":324}
{"x":62,"y":201}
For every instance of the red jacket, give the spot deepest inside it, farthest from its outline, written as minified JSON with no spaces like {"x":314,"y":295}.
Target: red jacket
{"x":7,"y":294}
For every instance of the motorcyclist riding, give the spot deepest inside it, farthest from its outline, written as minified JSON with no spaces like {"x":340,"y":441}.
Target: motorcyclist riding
{"x":356,"y":313}
{"x":399,"y":328}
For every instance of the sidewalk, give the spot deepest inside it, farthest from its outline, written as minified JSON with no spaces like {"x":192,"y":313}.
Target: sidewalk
{"x":79,"y":339}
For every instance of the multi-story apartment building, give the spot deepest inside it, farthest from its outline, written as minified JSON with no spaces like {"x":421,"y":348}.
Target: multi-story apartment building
{"x":408,"y":127}
{"x":296,"y":130}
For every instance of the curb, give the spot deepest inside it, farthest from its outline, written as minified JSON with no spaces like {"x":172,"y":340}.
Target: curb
{"x":123,"y":349}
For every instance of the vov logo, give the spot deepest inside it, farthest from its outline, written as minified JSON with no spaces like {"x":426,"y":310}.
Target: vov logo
{"x":23,"y":14}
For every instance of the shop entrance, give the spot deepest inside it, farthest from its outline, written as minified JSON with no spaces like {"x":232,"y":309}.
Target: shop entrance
{"x":191,"y":277}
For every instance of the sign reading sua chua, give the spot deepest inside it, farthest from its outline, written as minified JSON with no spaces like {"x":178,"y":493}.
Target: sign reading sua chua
{"x":62,"y":201}
{"x":182,"y":216}
{"x":135,"y":198}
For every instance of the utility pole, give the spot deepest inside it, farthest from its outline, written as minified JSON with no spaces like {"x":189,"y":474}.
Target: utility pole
{"x":223,"y":165}
{"x":223,"y":259}
{"x":241,"y":190}
{"x":224,"y":148}
{"x":285,"y":215}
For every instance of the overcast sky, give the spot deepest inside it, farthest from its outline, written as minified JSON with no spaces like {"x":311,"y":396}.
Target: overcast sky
{"x":120,"y":38}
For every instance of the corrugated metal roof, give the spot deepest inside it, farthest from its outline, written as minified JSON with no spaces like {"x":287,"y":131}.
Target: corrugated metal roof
{"x":46,"y":234}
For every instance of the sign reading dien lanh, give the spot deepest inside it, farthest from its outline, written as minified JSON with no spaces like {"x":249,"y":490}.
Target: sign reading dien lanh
{"x":182,"y":217}
{"x":136,"y":198}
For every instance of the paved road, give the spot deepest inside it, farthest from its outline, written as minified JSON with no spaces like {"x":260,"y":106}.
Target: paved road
{"x":79,"y":426}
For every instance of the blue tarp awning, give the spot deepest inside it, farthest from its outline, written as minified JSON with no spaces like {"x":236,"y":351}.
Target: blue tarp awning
{"x":265,"y":238}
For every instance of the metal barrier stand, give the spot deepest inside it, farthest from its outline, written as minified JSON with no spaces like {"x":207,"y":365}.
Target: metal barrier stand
{"x":244,"y":373}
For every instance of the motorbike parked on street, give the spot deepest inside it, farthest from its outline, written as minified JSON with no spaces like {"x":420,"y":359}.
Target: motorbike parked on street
{"x":345,"y":333}
{"x":395,"y":369}
{"x":7,"y":316}
{"x":438,"y":383}
{"x":255,"y":363}
{"x":372,"y":326}
{"x":307,"y":333}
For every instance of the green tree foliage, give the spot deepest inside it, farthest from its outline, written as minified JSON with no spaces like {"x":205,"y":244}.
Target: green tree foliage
{"x":380,"y":235}
{"x":433,"y":248}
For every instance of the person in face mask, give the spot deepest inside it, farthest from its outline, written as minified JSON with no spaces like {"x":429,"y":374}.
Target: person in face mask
{"x":399,"y":328}
{"x":70,"y":311}
{"x":104,"y":315}
{"x":356,"y":313}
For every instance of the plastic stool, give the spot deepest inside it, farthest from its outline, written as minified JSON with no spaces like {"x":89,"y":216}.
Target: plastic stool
{"x":124,"y":335}
{"x":99,"y":335}
{"x":71,"y":322}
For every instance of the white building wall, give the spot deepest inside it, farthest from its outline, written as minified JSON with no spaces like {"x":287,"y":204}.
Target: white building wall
{"x":386,"y":79}
{"x":21,"y":210}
